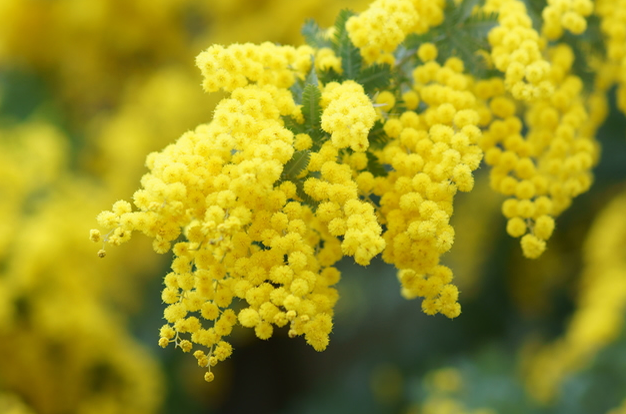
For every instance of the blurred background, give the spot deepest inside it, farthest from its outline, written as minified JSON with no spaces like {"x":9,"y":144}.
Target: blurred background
{"x":89,"y":88}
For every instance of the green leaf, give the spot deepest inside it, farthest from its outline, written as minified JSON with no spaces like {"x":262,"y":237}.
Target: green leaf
{"x":293,"y":126}
{"x":312,"y":111}
{"x":462,"y":34}
{"x":340,"y":28}
{"x":377,"y":137}
{"x":315,"y":36}
{"x":306,"y":199}
{"x":374,"y":77}
{"x":330,"y":75}
{"x":534,"y":9}
{"x":463,"y":11}
{"x":350,"y":55}
{"x":413,"y":41}
{"x":479,"y":25}
{"x":374,"y":166}
{"x":351,"y":60}
{"x":586,"y":47}
{"x":296,"y":91}
{"x":311,"y":78}
{"x":298,"y":163}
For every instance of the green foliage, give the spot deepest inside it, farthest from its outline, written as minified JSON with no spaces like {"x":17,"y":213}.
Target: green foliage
{"x":292,"y":171}
{"x":372,"y":78}
{"x":461,"y":34}
{"x":374,"y":166}
{"x":315,"y":36}
{"x":377,"y":137}
{"x":293,"y":126}
{"x":375,"y":77}
{"x":534,"y":8}
{"x":588,"y":44}
{"x":351,"y":60}
{"x":330,"y":75}
{"x":294,"y":167}
{"x":312,"y":112}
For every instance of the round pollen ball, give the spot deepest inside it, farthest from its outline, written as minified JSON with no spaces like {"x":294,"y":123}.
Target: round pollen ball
{"x":532,"y":246}
{"x":264,"y":330}
{"x":544,"y":226}
{"x":299,"y":287}
{"x":249,"y":317}
{"x":427,"y":52}
{"x":516,"y":227}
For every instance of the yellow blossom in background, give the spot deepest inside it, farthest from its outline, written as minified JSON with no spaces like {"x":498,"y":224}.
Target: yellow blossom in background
{"x":601,"y":302}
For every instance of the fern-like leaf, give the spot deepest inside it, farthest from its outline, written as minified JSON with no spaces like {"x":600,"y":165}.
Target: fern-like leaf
{"x":374,"y":166}
{"x":306,"y":199}
{"x":351,"y":60}
{"x":312,"y":111}
{"x":375,"y":77}
{"x":330,"y":75}
{"x":479,"y":25}
{"x":293,"y":126}
{"x":340,"y":27}
{"x":350,"y":55}
{"x":377,"y":137}
{"x":314,"y":35}
{"x":298,"y":163}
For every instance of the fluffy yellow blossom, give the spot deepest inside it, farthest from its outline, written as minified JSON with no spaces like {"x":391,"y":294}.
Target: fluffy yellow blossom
{"x":565,"y":14}
{"x":348,"y":115}
{"x":517,"y":51}
{"x":220,"y":187}
{"x":382,"y":27}
{"x":548,"y":166}
{"x":431,"y":160}
{"x":238,"y":65}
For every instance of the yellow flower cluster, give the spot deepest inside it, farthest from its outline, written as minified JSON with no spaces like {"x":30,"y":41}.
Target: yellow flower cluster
{"x":238,"y":65}
{"x":64,"y":335}
{"x":432,"y":155}
{"x":325,"y":59}
{"x":544,"y":170}
{"x":384,"y":25}
{"x":220,"y":186}
{"x":517,"y":51}
{"x":56,"y":327}
{"x":259,"y":204}
{"x":565,"y":14}
{"x":348,"y":115}
{"x":340,"y":209}
{"x":599,"y":317}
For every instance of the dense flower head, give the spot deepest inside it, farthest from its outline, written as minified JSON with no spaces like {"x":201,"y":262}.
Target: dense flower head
{"x":570,"y":15}
{"x":348,"y":115}
{"x":544,"y":170}
{"x":238,"y":65}
{"x":517,"y":51}
{"x":385,"y":24}
{"x":432,"y":156}
{"x":220,"y":186}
